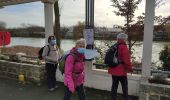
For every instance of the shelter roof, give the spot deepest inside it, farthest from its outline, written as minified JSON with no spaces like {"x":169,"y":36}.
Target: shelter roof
{"x":14,"y":2}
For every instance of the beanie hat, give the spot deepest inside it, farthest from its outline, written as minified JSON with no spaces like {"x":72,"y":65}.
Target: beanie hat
{"x":122,"y":36}
{"x":81,"y":41}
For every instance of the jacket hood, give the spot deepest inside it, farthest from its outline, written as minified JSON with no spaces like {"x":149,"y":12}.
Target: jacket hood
{"x":74,"y":50}
{"x":80,"y":57}
{"x":121,"y":41}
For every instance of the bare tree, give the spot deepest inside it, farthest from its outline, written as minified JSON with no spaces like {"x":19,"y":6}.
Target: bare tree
{"x":57,"y":23}
{"x":64,"y":30}
{"x":78,"y":30}
{"x":126,"y":9}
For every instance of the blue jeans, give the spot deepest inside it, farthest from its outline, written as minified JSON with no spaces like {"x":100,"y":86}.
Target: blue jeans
{"x":80,"y":92}
{"x":115,"y":83}
{"x":51,"y":77}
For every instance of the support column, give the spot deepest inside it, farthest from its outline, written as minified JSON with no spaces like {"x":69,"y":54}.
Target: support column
{"x":48,"y":14}
{"x":148,"y":38}
{"x":89,"y":24}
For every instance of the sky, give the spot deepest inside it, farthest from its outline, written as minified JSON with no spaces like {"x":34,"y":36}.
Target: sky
{"x":71,"y":11}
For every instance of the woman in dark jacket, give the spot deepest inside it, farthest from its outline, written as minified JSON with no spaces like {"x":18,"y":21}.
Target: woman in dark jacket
{"x":119,"y":73}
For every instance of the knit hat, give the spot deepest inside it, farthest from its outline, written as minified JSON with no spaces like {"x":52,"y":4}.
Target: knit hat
{"x":81,"y":41}
{"x":122,"y":36}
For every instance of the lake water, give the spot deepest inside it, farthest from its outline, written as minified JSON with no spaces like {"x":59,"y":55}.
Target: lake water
{"x":68,"y":44}
{"x":39,"y":42}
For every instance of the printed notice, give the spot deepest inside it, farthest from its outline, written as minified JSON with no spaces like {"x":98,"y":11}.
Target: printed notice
{"x":89,"y":36}
{"x":90,"y":54}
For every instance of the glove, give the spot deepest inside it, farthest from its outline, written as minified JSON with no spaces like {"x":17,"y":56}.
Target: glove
{"x":71,"y":89}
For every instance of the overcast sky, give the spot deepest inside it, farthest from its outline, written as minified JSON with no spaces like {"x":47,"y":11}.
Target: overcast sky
{"x":72,"y":11}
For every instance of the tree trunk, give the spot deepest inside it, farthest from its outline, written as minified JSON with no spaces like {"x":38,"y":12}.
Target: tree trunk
{"x":57,"y":23}
{"x":129,"y":36}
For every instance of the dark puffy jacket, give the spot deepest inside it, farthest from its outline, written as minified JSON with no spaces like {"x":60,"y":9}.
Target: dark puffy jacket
{"x":123,"y":55}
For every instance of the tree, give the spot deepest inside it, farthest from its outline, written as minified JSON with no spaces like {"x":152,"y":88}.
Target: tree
{"x":126,"y":9}
{"x":138,"y":28}
{"x":57,"y":23}
{"x":164,"y":57}
{"x":64,"y":31}
{"x":159,"y":25}
{"x":78,"y":30}
{"x":161,"y":22}
{"x":57,"y":29}
{"x":2,"y":26}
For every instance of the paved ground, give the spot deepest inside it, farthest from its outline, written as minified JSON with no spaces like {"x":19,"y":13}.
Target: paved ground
{"x":12,"y":90}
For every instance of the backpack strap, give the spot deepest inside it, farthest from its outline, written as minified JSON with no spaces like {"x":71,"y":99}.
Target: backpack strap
{"x":116,"y":46}
{"x":119,"y":60}
{"x":74,"y":56}
{"x":48,"y":50}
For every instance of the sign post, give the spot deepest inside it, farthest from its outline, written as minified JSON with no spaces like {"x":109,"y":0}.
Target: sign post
{"x":89,"y":37}
{"x":89,"y":24}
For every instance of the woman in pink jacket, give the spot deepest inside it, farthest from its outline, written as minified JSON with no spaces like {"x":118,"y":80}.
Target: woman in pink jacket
{"x":74,"y":71}
{"x":119,"y":73}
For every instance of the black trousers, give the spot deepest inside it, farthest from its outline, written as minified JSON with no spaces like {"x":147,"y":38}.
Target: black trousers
{"x":51,"y":74}
{"x":80,"y":92}
{"x":124,"y":84}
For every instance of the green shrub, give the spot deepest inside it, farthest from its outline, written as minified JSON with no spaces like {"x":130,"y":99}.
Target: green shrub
{"x":164,"y":57}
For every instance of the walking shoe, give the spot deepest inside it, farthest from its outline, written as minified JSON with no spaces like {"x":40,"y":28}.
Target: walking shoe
{"x":56,"y":86}
{"x":51,"y":89}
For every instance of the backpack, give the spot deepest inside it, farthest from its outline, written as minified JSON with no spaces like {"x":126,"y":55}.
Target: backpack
{"x":41,"y":51}
{"x":111,"y":57}
{"x":62,"y":61}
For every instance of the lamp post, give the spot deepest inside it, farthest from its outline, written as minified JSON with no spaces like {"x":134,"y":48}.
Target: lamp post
{"x":89,"y":24}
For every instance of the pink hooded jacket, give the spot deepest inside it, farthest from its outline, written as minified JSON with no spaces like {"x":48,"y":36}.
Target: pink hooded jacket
{"x":74,"y":70}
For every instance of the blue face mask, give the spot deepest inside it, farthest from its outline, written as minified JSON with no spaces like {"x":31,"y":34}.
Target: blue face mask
{"x":53,"y":42}
{"x":81,"y":50}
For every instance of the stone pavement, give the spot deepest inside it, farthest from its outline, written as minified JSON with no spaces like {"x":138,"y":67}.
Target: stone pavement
{"x":12,"y":90}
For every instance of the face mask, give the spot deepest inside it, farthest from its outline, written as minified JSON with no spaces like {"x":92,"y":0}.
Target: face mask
{"x":53,"y":42}
{"x":81,"y":50}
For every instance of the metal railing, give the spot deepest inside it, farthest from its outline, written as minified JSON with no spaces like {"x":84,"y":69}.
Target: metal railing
{"x":139,"y":70}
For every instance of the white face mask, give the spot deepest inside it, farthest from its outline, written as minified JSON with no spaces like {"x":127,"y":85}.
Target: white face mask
{"x":81,"y":50}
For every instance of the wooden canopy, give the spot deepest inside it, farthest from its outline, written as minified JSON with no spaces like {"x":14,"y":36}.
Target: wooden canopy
{"x":14,"y":2}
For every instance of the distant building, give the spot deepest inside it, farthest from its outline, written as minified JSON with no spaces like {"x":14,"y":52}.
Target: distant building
{"x":160,"y":35}
{"x":106,"y":33}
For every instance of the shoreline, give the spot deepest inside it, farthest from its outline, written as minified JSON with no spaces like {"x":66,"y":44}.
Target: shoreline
{"x":154,"y":40}
{"x":12,"y":50}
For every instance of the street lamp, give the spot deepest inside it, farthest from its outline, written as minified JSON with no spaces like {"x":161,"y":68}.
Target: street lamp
{"x":89,"y":24}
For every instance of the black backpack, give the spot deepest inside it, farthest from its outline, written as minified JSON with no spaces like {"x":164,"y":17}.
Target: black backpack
{"x":41,"y":51}
{"x":111,"y":58}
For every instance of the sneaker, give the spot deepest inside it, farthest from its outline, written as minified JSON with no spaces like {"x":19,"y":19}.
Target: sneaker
{"x":51,"y":89}
{"x":56,"y":86}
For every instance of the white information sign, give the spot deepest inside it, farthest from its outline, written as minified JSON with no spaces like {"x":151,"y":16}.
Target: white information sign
{"x":89,"y":36}
{"x":89,"y":54}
